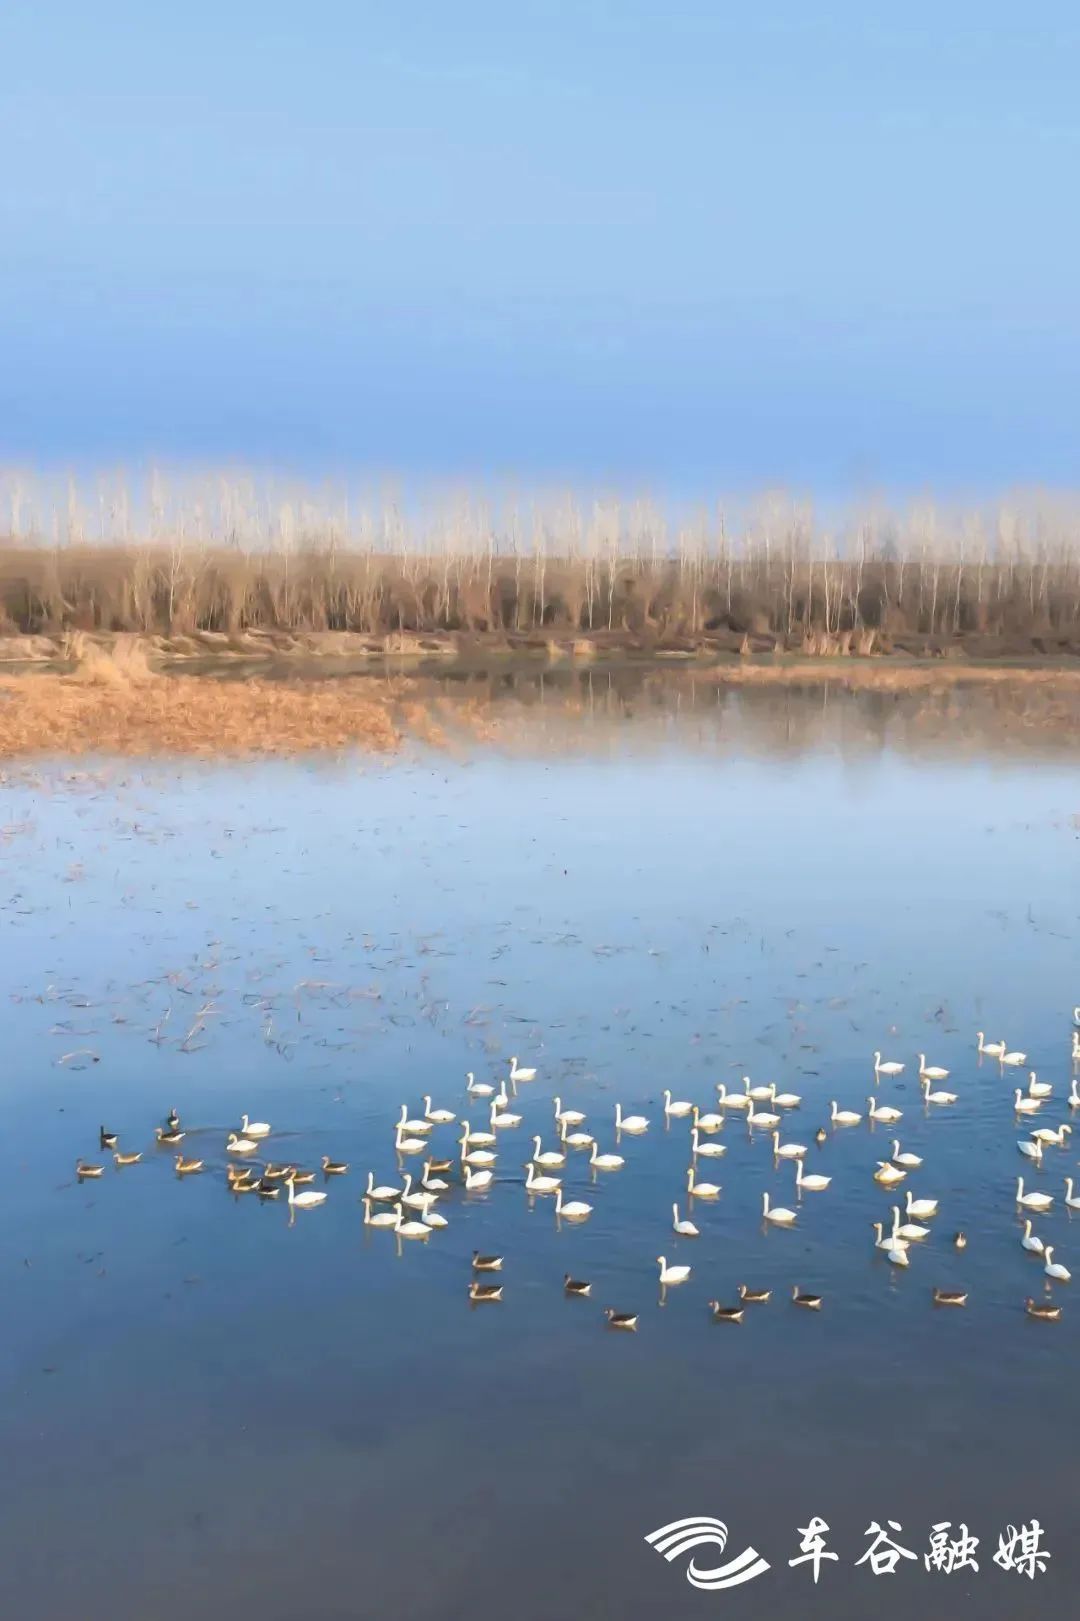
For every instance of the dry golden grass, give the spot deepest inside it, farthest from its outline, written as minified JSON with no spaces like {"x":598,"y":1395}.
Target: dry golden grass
{"x":881,"y":677}
{"x":115,"y":704}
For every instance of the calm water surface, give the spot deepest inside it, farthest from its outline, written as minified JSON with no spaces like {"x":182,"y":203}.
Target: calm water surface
{"x":206,"y":1406}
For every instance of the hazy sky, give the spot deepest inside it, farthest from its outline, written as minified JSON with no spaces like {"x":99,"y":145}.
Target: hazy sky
{"x":697,"y":244}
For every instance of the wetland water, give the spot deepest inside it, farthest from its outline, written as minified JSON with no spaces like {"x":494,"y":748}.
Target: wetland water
{"x":207,"y":1407}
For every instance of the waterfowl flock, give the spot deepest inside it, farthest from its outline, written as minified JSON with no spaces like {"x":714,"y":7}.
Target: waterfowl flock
{"x":407,"y":1204}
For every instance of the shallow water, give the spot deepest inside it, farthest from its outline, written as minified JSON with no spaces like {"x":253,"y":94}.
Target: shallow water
{"x":206,"y":1405}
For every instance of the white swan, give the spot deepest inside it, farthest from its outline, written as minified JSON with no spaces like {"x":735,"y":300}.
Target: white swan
{"x":438,"y":1117}
{"x":1032,"y":1201}
{"x":574,"y":1209}
{"x":240,"y":1145}
{"x":1027,"y":1105}
{"x":701,"y":1190}
{"x":432,"y":1218}
{"x":410,"y":1229}
{"x":1074,"y":1096}
{"x":1054,"y":1138}
{"x":576,"y":1139}
{"x":517,"y":1074}
{"x":908,"y":1231}
{"x":671,"y":1274}
{"x":478,"y":1089}
{"x":762,"y":1118}
{"x":888,"y":1175}
{"x":910,"y":1162}
{"x":920,"y":1207}
{"x":931,"y":1072}
{"x":434,"y":1184}
{"x":475,"y":1156}
{"x":382,"y":1193}
{"x":411,"y":1127}
{"x":482,"y":1139}
{"x":1013,"y":1060}
{"x":884,"y":1240}
{"x":888,"y":1066}
{"x":814,"y":1182}
{"x":843,"y":1117}
{"x":685,"y":1229}
{"x":707,"y":1122}
{"x":1037,"y":1088}
{"x":475,"y":1180}
{"x":416,"y":1201}
{"x":504,"y":1120}
{"x":884,"y":1112}
{"x":777,"y":1214}
{"x":935,"y":1096}
{"x":541,"y":1184}
{"x":786,"y":1150}
{"x":606,"y":1162}
{"x":548,"y":1156}
{"x":992,"y":1049}
{"x":896,"y":1254}
{"x":409,"y":1145}
{"x":1054,"y":1269}
{"x":731,"y":1100}
{"x":785,"y":1100}
{"x":677,"y":1108}
{"x":760,"y":1094}
{"x":384,"y":1218}
{"x":1032,"y":1150}
{"x":254,"y":1128}
{"x":306,"y":1200}
{"x":567,"y":1117}
{"x":633,"y":1123}
{"x":706,"y":1150}
{"x":1073,"y":1203}
{"x":1029,"y":1240}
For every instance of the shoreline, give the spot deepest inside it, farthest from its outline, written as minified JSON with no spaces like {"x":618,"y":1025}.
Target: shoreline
{"x":138,"y":697}
{"x":726,"y":656}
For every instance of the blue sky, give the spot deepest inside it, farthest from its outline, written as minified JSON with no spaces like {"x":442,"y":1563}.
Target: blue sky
{"x":702,"y":246}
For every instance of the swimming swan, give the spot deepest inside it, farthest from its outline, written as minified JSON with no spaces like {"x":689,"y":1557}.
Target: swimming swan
{"x":634,"y":1123}
{"x":574,"y":1209}
{"x":777,"y":1215}
{"x":701,"y":1190}
{"x":671,"y":1274}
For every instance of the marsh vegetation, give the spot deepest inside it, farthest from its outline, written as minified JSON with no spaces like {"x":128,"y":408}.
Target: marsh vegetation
{"x":227,"y":556}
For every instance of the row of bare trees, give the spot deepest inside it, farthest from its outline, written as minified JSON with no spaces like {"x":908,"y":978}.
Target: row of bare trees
{"x":227,"y":552}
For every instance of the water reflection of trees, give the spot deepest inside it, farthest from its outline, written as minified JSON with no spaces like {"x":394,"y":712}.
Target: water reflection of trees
{"x":570,"y":709}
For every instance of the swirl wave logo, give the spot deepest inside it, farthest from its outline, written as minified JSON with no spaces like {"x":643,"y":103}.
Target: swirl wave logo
{"x":681,"y":1536}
